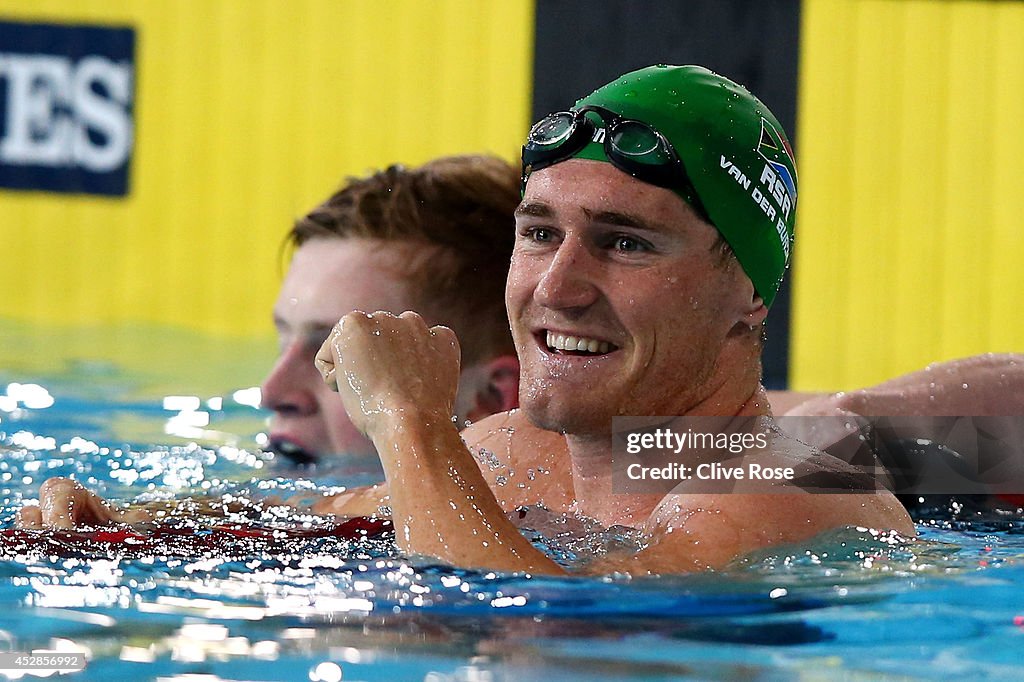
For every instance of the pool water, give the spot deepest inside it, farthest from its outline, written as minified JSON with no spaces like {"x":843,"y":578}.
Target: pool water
{"x":271,"y":595}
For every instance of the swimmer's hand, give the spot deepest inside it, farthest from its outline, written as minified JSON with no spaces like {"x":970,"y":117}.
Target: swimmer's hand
{"x":66,"y":504}
{"x":383,"y":366}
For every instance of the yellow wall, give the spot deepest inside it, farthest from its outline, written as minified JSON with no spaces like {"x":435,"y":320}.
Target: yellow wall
{"x":910,"y":245}
{"x":249,"y":112}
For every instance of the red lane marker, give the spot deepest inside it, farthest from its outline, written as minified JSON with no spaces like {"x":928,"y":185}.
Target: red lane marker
{"x":357,"y":528}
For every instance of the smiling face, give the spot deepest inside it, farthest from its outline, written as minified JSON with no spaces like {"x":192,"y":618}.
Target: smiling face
{"x":327,"y":279}
{"x":619,"y":303}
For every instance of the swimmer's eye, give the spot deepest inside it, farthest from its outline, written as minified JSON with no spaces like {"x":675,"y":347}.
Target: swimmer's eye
{"x":317,"y":335}
{"x":538,"y":234}
{"x":629,"y":244}
{"x":313,"y":343}
{"x":311,"y":340}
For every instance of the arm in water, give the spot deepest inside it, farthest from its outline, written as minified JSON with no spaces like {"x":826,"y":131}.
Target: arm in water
{"x":982,"y":385}
{"x":65,"y":503}
{"x":397,"y":379}
{"x":979,"y":386}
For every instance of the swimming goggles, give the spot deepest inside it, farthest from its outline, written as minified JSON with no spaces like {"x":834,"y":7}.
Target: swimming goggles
{"x":632,"y":146}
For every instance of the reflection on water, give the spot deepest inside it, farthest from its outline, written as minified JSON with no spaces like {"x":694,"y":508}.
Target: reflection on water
{"x":253,"y":591}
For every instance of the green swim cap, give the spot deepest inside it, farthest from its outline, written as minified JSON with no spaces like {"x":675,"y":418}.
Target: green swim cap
{"x":735,"y":153}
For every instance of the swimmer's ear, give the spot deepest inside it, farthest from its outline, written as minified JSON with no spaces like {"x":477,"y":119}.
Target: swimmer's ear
{"x":500,"y":391}
{"x":756,"y":311}
{"x":751,"y":315}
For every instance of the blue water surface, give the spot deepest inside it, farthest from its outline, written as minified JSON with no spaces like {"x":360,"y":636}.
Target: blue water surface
{"x":853,"y":605}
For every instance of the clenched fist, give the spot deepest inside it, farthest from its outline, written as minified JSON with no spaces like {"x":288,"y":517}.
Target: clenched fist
{"x":385,"y":367}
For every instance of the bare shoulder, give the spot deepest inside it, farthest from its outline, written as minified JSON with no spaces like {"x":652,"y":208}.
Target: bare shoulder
{"x":364,"y":501}
{"x":512,"y":438}
{"x":693,"y":531}
{"x":708,"y":531}
{"x":828,"y":493}
{"x":711,"y":529}
{"x":522,"y":464}
{"x":492,"y":429}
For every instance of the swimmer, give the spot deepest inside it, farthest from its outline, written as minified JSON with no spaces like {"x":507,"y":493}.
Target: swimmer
{"x":655,"y":227}
{"x":435,"y":239}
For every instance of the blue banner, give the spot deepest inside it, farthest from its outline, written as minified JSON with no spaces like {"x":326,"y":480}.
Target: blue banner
{"x":66,"y":107}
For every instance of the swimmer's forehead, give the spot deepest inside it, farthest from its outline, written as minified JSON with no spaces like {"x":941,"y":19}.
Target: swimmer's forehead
{"x":331,"y":277}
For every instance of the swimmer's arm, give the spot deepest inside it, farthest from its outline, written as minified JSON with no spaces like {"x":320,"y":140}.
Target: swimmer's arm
{"x":441,"y":504}
{"x":397,"y":379}
{"x":490,"y":436}
{"x":989,"y":385}
{"x":983,"y":385}
{"x":65,"y":504}
{"x":783,"y":401}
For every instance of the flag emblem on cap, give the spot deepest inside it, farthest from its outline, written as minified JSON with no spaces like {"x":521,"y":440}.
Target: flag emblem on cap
{"x":771,"y":147}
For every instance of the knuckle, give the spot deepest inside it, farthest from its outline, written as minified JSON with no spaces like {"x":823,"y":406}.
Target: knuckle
{"x":444,"y":334}
{"x":324,"y":356}
{"x":54,"y":486}
{"x":356,"y":319}
{"x":445,"y":341}
{"x":29,"y":516}
{"x":411,"y":315}
{"x":379,"y":317}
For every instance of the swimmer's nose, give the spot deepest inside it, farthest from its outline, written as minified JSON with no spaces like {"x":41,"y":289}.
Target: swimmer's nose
{"x":567,"y":283}
{"x":288,"y":388}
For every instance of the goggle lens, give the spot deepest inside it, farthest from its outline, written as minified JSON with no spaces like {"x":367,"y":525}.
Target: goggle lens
{"x":640,"y":143}
{"x":553,"y":130}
